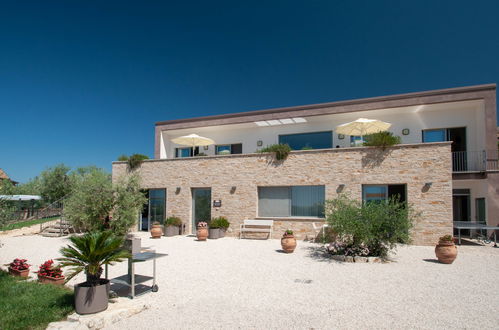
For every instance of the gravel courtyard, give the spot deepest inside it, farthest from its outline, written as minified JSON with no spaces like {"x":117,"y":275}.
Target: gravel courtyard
{"x":230,"y":283}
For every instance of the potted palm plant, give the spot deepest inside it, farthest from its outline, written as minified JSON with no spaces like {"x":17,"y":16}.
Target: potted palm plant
{"x":89,"y":253}
{"x":172,"y":226}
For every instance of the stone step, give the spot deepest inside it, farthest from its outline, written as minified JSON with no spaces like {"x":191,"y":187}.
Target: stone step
{"x":48,"y":234}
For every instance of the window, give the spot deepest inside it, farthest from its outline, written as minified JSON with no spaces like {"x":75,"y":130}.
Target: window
{"x":355,"y":141}
{"x":456,"y":135}
{"x":227,"y":149}
{"x":376,"y":193}
{"x":294,"y":201}
{"x":315,"y":140}
{"x":186,"y":152}
{"x":157,"y":205}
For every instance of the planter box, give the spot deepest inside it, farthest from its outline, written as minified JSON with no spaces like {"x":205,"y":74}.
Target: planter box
{"x":222,"y":232}
{"x":214,"y":233}
{"x":51,"y":280}
{"x":20,"y":273}
{"x":171,"y":231}
{"x":91,"y":299}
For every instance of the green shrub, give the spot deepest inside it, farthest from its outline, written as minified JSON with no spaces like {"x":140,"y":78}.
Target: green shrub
{"x":372,"y":228}
{"x":173,"y":221}
{"x":219,"y":222}
{"x":381,"y":139}
{"x":281,"y":151}
{"x":135,"y":160}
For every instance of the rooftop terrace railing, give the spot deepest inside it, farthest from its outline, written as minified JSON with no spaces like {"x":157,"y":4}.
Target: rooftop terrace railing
{"x":475,"y":161}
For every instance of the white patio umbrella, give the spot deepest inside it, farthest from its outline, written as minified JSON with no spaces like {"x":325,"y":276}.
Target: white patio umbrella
{"x":362,"y":126}
{"x":193,"y":140}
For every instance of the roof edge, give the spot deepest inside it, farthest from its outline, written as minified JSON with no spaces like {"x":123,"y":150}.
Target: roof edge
{"x":455,"y":90}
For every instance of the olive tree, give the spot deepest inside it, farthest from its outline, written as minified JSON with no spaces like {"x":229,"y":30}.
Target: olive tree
{"x":94,"y":199}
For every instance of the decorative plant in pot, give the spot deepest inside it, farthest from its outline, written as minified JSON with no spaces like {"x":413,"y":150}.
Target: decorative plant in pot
{"x":288,"y":241}
{"x":202,"y":231}
{"x":446,"y":250}
{"x":156,"y":230}
{"x":172,"y":226}
{"x":50,"y":273}
{"x":19,"y":267}
{"x":222,"y":223}
{"x":214,"y":229}
{"x":89,"y":253}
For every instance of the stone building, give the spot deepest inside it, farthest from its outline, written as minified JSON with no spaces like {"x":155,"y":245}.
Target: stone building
{"x":446,"y":166}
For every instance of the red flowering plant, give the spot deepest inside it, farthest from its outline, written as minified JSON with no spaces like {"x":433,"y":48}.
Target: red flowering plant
{"x":48,"y":269}
{"x":19,"y":264}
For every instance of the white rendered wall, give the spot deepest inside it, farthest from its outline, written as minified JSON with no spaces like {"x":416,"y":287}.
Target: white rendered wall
{"x":469,"y":114}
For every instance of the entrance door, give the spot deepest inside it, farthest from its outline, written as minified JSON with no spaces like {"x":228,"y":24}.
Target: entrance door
{"x":154,"y":210}
{"x":461,"y":207}
{"x":201,"y":206}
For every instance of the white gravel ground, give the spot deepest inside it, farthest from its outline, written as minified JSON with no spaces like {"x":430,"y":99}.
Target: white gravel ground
{"x":230,"y":283}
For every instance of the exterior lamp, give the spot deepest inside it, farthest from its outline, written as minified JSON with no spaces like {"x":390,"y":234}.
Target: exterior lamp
{"x":340,"y":188}
{"x":177,"y":190}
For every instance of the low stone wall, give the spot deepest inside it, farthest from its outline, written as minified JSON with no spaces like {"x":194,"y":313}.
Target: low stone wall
{"x":413,"y":165}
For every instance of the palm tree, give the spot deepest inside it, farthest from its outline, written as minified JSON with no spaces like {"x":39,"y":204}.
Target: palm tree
{"x":90,"y":252}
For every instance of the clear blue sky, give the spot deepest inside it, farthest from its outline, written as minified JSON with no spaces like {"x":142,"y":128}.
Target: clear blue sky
{"x":82,"y":82}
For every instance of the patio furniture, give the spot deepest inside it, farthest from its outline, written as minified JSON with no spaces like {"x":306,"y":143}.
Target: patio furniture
{"x":131,"y":279}
{"x":320,"y":227}
{"x":473,"y":225}
{"x":256,"y":226}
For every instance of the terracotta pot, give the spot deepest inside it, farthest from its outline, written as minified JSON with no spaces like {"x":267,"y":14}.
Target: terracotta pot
{"x":20,"y":273}
{"x":171,"y":231}
{"x":446,"y":252}
{"x":202,"y":233}
{"x":91,"y":299}
{"x":51,"y":280}
{"x":288,"y":243}
{"x":156,"y":231}
{"x":214,"y":233}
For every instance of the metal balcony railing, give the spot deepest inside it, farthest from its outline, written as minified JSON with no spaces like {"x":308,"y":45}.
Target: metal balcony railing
{"x":475,"y":161}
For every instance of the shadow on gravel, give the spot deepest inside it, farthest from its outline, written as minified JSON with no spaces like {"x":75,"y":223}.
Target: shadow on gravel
{"x":435,"y":261}
{"x":319,"y":253}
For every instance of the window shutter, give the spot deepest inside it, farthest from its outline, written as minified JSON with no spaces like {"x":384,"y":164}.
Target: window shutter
{"x":176,"y":152}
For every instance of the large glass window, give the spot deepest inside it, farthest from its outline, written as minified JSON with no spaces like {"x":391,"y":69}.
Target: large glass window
{"x":294,"y":201}
{"x":157,"y":205}
{"x":186,"y":152}
{"x":376,"y":193}
{"x":434,"y":135}
{"x":227,"y":149}
{"x":315,"y":140}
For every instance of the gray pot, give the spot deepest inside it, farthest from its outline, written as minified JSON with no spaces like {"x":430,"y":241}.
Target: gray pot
{"x":91,"y":299}
{"x":222,"y":232}
{"x":171,"y":231}
{"x":214,"y":233}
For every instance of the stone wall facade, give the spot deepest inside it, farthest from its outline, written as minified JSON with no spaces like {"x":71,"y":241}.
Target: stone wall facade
{"x":413,"y":165}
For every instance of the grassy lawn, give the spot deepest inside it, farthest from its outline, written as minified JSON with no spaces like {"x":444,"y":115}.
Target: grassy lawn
{"x":31,"y":305}
{"x":21,"y":224}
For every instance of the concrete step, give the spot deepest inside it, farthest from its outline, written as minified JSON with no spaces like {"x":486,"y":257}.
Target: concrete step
{"x":48,"y":234}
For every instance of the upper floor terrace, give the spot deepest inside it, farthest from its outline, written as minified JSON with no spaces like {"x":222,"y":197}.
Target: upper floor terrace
{"x":466,"y":116}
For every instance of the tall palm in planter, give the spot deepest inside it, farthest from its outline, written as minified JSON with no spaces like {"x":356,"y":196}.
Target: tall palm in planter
{"x":89,"y":253}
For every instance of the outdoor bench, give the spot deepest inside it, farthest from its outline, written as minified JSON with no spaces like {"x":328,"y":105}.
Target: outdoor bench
{"x":256,"y":226}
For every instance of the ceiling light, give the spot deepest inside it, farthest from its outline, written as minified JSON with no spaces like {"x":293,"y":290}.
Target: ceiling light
{"x":274,"y":122}
{"x":299,"y":120}
{"x":286,"y":121}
